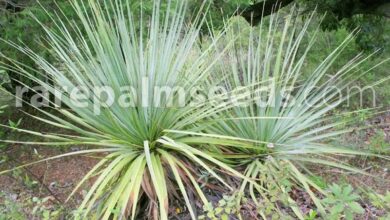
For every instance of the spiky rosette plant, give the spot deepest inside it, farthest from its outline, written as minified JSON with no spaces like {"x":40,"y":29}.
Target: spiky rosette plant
{"x":115,"y":69}
{"x":283,"y":116}
{"x":124,"y":83}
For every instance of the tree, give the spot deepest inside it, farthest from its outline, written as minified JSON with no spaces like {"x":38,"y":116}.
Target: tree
{"x":368,"y":15}
{"x":341,"y":9}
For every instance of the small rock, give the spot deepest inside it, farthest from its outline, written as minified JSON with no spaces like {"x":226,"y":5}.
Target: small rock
{"x":13,"y":196}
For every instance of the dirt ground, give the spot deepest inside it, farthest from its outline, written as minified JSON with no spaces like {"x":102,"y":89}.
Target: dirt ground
{"x":53,"y":180}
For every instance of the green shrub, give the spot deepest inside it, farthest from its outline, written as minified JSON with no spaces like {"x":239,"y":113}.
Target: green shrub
{"x":293,"y":127}
{"x":9,"y":209}
{"x":142,"y":161}
{"x":342,"y":202}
